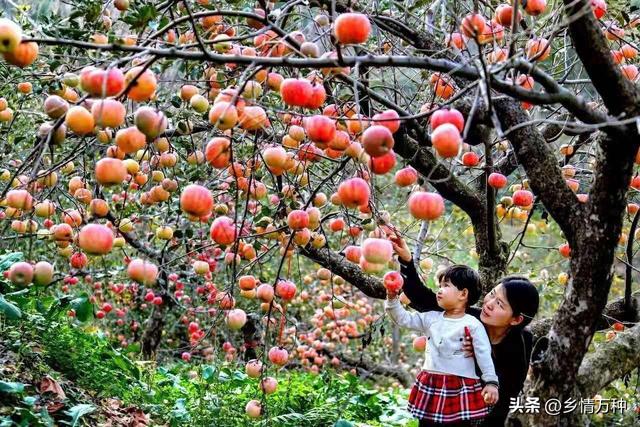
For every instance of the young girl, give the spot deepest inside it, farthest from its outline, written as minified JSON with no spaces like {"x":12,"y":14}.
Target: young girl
{"x":447,"y":390}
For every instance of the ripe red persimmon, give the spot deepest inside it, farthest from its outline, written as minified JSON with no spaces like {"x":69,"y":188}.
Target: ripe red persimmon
{"x":522,"y":198}
{"x":565,"y":250}
{"x":446,"y":140}
{"x":377,"y":140}
{"x":354,"y":192}
{"x":383,"y":164}
{"x":473,"y":25}
{"x":426,"y":206}
{"x":497,"y":180}
{"x":352,"y":28}
{"x":470,"y":159}
{"x":393,"y":281}
{"x":447,"y":115}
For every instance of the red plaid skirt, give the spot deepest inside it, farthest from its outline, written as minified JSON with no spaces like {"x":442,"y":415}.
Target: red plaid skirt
{"x":444,"y":398}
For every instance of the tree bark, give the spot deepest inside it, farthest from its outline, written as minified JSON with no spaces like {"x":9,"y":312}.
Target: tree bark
{"x":610,"y":361}
{"x":492,"y":262}
{"x":593,"y":240}
{"x":368,"y":367}
{"x":369,"y":285}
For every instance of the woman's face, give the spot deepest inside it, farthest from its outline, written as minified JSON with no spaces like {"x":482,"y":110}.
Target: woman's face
{"x":496,"y":310}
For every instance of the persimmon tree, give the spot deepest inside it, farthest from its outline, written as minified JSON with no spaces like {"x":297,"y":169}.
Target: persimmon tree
{"x":206,"y":144}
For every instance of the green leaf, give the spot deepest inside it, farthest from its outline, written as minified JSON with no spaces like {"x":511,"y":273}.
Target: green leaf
{"x":53,"y":65}
{"x":11,"y":311}
{"x":46,"y":418}
{"x":176,"y":101}
{"x":343,"y":423}
{"x":163,"y":22}
{"x":419,"y":4}
{"x":126,"y":365}
{"x":57,"y":306}
{"x":223,"y":376}
{"x":239,"y":375}
{"x":78,"y":411}
{"x":9,"y":259}
{"x":44,"y":303}
{"x":132,"y":348}
{"x":82,"y":307}
{"x":208,"y":372}
{"x":139,"y":18}
{"x":30,"y":400}
{"x":180,"y":410}
{"x":9,"y":387}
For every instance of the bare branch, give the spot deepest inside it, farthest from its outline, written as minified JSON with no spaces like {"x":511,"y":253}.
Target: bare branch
{"x":618,"y":93}
{"x":327,"y":258}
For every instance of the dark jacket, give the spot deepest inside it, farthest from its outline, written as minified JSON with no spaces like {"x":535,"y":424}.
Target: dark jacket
{"x":511,"y":356}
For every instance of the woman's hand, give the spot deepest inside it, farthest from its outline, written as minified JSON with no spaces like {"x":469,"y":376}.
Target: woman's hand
{"x":392,"y":294}
{"x":490,"y":394}
{"x":398,"y":243}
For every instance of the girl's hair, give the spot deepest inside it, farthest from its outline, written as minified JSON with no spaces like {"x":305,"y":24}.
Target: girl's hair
{"x":462,"y":277}
{"x":523,"y":298}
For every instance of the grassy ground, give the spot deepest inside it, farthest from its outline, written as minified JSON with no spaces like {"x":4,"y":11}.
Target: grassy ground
{"x":56,"y":373}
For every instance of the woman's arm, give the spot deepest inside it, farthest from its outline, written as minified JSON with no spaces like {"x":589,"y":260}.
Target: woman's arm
{"x":422,"y":298}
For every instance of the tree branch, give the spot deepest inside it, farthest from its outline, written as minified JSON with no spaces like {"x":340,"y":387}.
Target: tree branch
{"x":545,"y":176}
{"x":610,"y":361}
{"x":614,"y":311}
{"x":351,"y":272}
{"x":368,"y":367}
{"x":437,"y":173}
{"x":617,"y":92}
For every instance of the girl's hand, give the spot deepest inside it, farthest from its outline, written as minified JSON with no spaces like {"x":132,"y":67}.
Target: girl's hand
{"x":490,"y":394}
{"x":392,"y":294}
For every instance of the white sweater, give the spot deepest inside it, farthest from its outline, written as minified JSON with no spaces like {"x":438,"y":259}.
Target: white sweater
{"x":444,"y":341}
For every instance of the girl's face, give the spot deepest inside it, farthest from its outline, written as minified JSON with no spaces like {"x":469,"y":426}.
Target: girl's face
{"x":449,"y":296}
{"x":496,"y":310}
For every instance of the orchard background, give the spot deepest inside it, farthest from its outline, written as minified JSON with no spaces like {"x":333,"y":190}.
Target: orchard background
{"x":196,"y":197}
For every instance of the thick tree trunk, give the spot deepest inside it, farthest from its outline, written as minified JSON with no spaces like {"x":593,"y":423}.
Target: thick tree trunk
{"x":492,"y":252}
{"x":555,"y":372}
{"x":251,"y":332}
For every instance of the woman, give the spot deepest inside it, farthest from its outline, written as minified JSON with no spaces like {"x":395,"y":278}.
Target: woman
{"x":505,"y":311}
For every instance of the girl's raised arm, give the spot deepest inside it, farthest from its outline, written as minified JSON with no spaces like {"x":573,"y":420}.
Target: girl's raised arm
{"x":417,"y":321}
